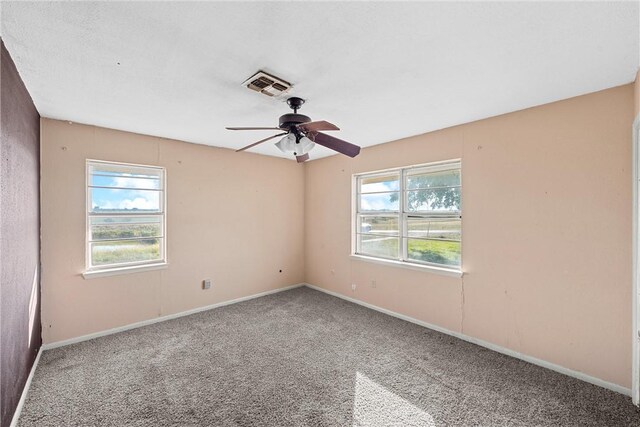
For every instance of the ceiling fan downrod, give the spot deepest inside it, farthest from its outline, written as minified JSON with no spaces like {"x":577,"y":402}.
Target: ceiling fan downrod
{"x":295,"y":103}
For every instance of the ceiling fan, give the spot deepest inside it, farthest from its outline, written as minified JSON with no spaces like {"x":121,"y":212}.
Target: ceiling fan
{"x":301,"y":134}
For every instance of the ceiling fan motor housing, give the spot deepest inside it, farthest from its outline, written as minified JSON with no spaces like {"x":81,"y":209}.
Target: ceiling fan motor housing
{"x":287,"y":121}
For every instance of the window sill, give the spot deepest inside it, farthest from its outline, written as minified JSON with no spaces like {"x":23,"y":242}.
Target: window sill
{"x":124,"y":270}
{"x":425,"y":268}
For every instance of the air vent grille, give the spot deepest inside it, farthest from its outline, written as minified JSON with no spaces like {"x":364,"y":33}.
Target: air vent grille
{"x":259,"y":84}
{"x":267,"y":84}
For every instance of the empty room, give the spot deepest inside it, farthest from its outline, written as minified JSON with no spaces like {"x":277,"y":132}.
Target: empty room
{"x":300,"y":213}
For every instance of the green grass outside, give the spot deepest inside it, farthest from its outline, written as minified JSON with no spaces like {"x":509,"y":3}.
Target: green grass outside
{"x":112,"y":252}
{"x":124,"y":231}
{"x":127,"y":251}
{"x":434,"y":251}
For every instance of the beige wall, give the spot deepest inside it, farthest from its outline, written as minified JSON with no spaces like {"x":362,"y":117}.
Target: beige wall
{"x":546,"y":232}
{"x":236,"y":218}
{"x":636,"y":87}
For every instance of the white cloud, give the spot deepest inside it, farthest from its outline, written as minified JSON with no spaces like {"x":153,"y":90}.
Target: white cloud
{"x":137,"y":203}
{"x":149,"y":201}
{"x":377,"y":202}
{"x":129,"y":182}
{"x":380,"y":186}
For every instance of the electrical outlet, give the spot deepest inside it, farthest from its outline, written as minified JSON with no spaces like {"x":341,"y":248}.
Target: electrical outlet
{"x":206,"y":284}
{"x":353,"y":287}
{"x":373,"y":284}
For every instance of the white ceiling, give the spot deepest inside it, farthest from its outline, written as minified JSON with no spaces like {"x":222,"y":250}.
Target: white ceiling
{"x":380,"y":71}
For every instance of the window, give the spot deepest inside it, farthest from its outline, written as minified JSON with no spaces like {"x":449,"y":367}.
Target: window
{"x":412,"y":215}
{"x":125,"y":215}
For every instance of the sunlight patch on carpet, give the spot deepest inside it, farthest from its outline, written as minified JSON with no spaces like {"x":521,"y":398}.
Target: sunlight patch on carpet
{"x":374,"y":405}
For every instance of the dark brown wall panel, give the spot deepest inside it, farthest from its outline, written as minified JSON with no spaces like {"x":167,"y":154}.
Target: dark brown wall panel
{"x":20,"y":330}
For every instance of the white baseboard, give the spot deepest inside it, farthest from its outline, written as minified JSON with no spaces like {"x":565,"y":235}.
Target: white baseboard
{"x":162,"y":318}
{"x":25,"y":390}
{"x":557,"y":368}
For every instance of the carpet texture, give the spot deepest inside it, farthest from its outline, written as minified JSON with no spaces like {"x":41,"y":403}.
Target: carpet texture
{"x":304,"y":358}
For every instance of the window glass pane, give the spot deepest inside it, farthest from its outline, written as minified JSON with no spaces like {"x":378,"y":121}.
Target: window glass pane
{"x":107,"y":200}
{"x":379,"y":224}
{"x":443,"y":200}
{"x":116,"y":228}
{"x":430,"y":218}
{"x":433,"y":229}
{"x":118,"y":168}
{"x":384,"y":246}
{"x":380,"y":183}
{"x":125,"y":181}
{"x":379,"y":202}
{"x":434,"y":251}
{"x":122,"y":219}
{"x":125,"y":251}
{"x":422,"y":179}
{"x":127,"y":177}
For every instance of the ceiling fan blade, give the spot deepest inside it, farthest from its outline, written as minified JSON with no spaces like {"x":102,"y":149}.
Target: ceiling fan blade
{"x":344,"y":147}
{"x":236,"y":128}
{"x":303,"y":158}
{"x":317,"y":126}
{"x":261,"y":141}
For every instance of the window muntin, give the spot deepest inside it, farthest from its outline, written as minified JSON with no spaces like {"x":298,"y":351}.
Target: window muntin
{"x":125,"y":215}
{"x":428,"y":227}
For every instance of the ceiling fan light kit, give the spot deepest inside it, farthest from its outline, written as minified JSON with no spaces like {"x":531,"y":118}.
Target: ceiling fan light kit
{"x":301,"y":134}
{"x":289,"y":144}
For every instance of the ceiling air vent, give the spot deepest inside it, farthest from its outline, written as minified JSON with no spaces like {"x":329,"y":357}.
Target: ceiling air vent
{"x":267,"y":84}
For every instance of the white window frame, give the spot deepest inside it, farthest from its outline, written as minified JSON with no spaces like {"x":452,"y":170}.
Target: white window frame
{"x":128,"y":267}
{"x":403,"y":215}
